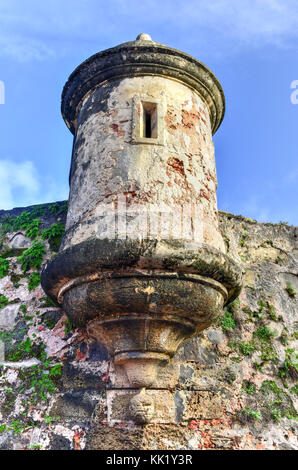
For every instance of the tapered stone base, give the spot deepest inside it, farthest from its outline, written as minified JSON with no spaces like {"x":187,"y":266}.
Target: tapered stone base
{"x":140,"y":367}
{"x":142,"y":307}
{"x":169,"y":310}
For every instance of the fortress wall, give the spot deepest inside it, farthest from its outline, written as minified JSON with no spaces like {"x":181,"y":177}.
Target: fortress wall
{"x":232,"y":387}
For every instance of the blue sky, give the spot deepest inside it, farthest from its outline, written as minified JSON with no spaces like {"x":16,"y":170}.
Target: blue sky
{"x":250,"y":45}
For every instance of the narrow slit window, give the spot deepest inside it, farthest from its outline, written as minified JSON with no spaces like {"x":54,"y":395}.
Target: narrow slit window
{"x":149,"y":121}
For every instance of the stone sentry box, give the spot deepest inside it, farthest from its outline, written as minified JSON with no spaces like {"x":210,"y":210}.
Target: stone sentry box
{"x":142,"y":265}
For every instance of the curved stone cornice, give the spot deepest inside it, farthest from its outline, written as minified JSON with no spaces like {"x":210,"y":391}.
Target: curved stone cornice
{"x":90,"y":258}
{"x":140,"y":58}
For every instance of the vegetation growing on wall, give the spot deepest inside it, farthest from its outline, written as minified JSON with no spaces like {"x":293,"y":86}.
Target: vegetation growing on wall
{"x":249,"y":364}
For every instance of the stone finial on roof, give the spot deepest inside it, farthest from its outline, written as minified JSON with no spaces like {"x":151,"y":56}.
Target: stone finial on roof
{"x":143,"y":37}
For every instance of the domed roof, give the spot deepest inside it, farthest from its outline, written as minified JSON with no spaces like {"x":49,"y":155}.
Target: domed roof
{"x":142,"y":57}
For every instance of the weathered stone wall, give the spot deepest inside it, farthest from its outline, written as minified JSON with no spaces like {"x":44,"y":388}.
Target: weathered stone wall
{"x":232,"y":387}
{"x":111,"y":159}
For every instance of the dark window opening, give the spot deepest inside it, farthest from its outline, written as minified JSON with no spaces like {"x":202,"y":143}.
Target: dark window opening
{"x":148,"y":129}
{"x":149,"y":124}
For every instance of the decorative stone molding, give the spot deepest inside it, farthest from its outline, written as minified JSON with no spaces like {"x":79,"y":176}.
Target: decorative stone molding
{"x":142,"y":407}
{"x":139,"y":58}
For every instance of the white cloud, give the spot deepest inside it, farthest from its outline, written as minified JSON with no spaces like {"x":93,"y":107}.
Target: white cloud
{"x":260,"y":208}
{"x":291,"y":177}
{"x":24,"y":49}
{"x":255,"y":209}
{"x":21,"y":185}
{"x":252,"y":21}
{"x":35,"y":30}
{"x":15,"y":178}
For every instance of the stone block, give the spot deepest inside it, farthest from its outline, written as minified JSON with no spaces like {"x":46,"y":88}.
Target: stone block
{"x":19,"y":241}
{"x":77,"y":405}
{"x":201,"y":405}
{"x":8,"y":316}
